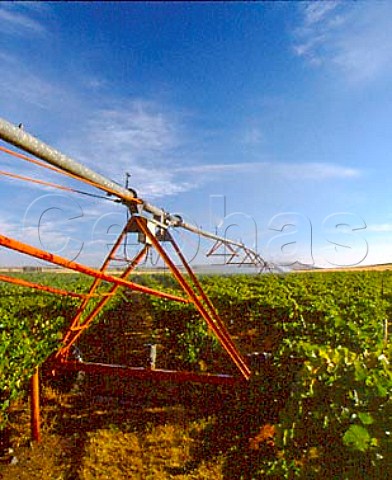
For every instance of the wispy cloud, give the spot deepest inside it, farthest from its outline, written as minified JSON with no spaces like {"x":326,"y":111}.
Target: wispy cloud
{"x":305,"y":171}
{"x":145,"y":138}
{"x":152,"y":142}
{"x":22,"y":18}
{"x":316,"y":12}
{"x":28,"y":91}
{"x":353,"y":38}
{"x":379,"y":227}
{"x":26,"y":87}
{"x":252,"y":137}
{"x":24,"y":82}
{"x":221,"y":168}
{"x":315,"y":171}
{"x":140,"y":137}
{"x":140,"y":127}
{"x":8,"y":226}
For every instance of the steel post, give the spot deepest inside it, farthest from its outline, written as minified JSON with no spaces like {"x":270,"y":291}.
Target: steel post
{"x":35,"y":407}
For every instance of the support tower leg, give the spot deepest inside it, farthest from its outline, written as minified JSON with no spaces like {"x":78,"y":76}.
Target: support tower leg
{"x":35,"y":407}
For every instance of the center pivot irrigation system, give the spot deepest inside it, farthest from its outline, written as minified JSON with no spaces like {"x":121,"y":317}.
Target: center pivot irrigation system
{"x":153,"y":226}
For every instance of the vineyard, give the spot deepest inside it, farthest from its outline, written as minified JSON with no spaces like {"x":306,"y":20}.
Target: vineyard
{"x":318,"y":403}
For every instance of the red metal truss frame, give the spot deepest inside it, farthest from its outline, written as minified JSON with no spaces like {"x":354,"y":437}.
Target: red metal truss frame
{"x":189,"y":283}
{"x":141,"y":373}
{"x":152,"y":224}
{"x":196,"y":296}
{"x":237,"y":255}
{"x":228,"y":254}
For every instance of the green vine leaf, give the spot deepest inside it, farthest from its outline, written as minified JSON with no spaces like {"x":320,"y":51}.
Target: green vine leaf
{"x":357,"y":437}
{"x":365,"y":418}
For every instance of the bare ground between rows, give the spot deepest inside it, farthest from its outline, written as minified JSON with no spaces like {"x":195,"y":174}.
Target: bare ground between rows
{"x":121,"y":428}
{"x":170,"y":431}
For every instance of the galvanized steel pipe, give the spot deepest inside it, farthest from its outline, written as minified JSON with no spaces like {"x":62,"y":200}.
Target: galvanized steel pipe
{"x":21,"y":139}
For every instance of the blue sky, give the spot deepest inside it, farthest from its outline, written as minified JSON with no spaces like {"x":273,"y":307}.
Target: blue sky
{"x":268,"y":121}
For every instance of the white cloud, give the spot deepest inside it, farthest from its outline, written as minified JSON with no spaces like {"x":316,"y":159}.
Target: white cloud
{"x":354,"y":38}
{"x":220,"y":168}
{"x":25,"y":86}
{"x":150,"y":141}
{"x":141,"y":137}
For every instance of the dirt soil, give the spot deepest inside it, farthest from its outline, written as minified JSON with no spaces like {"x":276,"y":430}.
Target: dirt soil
{"x":154,"y":434}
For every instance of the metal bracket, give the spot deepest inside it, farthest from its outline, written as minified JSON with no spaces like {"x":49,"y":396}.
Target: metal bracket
{"x":155,"y":225}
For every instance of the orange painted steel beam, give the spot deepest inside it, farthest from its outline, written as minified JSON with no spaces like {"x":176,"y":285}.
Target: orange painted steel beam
{"x":212,"y":310}
{"x":97,"y":281}
{"x":223,"y":337}
{"x":63,"y":262}
{"x":225,"y":341}
{"x":124,"y":371}
{"x":35,"y":407}
{"x":72,"y":335}
{"x":21,"y":156}
{"x":199,"y":288}
{"x":15,"y":176}
{"x":38,"y":286}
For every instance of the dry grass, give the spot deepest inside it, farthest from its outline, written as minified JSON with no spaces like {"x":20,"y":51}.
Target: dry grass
{"x":38,"y":462}
{"x":162,"y":453}
{"x":87,"y":438}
